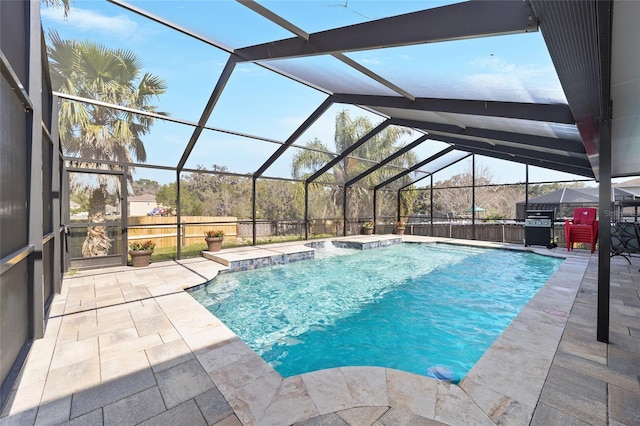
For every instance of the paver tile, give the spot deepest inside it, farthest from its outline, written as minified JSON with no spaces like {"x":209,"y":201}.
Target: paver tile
{"x":455,"y":407}
{"x":232,"y":420}
{"x":135,"y":408}
{"x":624,"y":406}
{"x":328,"y":389}
{"x":93,"y":418}
{"x":291,"y":403}
{"x":111,"y":391}
{"x":54,"y":412}
{"x":399,"y":417}
{"x":546,"y":415}
{"x":213,"y":406}
{"x":362,"y":415}
{"x":186,"y":413}
{"x":412,"y":392}
{"x":574,"y":403}
{"x":168,"y":355}
{"x":71,"y":378}
{"x":183,"y":382}
{"x":500,"y":408}
{"x":251,"y":401}
{"x":367,"y":385}
{"x":597,"y":371}
{"x":331,"y":419}
{"x":152,"y":325}
{"x":123,"y":365}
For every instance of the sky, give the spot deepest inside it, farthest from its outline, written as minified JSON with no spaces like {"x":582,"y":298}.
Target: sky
{"x":259,"y":102}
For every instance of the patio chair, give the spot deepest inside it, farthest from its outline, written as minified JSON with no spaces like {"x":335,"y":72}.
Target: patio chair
{"x":583,"y":228}
{"x":625,"y":239}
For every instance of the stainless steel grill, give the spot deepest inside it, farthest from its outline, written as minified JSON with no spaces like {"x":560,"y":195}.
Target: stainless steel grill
{"x":538,"y":228}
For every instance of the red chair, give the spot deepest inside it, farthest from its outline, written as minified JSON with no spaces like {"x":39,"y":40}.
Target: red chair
{"x":582,"y":229}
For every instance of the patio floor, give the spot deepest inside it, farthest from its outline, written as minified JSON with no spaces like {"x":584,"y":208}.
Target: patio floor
{"x":129,"y":346}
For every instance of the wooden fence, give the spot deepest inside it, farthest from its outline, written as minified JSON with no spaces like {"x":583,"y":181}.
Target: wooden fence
{"x":163,"y":230}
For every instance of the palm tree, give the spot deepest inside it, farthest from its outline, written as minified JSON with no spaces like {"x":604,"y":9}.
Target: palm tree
{"x":347,"y":132}
{"x":93,"y":133}
{"x":64,"y":4}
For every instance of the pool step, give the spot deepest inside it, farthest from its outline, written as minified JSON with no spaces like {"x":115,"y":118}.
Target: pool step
{"x":247,"y":258}
{"x":368,"y":242}
{"x":252,"y":257}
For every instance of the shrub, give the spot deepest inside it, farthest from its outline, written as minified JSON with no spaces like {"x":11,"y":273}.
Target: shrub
{"x":142,"y":245}
{"x":214,"y":234}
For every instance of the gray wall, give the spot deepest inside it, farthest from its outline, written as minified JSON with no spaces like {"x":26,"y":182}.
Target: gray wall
{"x":30,"y":243}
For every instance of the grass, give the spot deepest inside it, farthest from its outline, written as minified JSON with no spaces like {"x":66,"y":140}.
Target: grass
{"x":72,"y":272}
{"x":194,"y":250}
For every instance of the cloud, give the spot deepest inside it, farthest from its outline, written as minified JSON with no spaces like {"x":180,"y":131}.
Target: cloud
{"x":86,"y":20}
{"x":493,"y":64}
{"x":371,"y":60}
{"x":523,"y":82}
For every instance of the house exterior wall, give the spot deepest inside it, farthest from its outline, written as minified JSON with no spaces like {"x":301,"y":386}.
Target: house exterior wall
{"x":30,"y":176}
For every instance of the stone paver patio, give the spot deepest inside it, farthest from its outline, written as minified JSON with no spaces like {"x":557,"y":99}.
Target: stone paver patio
{"x":130,"y":346}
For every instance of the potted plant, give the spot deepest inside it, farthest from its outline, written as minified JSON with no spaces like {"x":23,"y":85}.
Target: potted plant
{"x":141,"y":251}
{"x":214,"y":239}
{"x":367,"y":228}
{"x":400,"y":225}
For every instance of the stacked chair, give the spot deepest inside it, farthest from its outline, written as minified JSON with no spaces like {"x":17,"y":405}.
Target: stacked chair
{"x":583,"y":228}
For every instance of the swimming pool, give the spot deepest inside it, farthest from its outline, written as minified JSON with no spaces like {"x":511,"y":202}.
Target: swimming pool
{"x":411,"y":306}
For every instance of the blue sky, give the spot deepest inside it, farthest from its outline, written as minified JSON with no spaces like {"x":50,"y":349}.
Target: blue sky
{"x":259,"y":102}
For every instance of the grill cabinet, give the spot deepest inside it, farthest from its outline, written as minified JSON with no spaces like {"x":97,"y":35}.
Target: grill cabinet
{"x":538,"y":228}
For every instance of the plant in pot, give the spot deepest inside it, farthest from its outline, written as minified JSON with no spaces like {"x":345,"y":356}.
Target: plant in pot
{"x":214,"y":239}
{"x":367,"y":228}
{"x":141,"y":251}
{"x":400,"y":225}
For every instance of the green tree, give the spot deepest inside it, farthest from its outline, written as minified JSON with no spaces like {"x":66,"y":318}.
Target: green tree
{"x":96,"y":135}
{"x":190,"y":204}
{"x":145,"y":186}
{"x":536,"y":190}
{"x":348,"y":131}
{"x":277,"y":200}
{"x":221,"y":193}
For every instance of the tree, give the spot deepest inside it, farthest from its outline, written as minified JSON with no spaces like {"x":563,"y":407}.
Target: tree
{"x":277,"y":199}
{"x":455,"y":194}
{"x":96,"y":135}
{"x":145,"y":186}
{"x":220,"y":193}
{"x":190,"y":205}
{"x":536,"y":190}
{"x":347,"y":132}
{"x":64,"y":4}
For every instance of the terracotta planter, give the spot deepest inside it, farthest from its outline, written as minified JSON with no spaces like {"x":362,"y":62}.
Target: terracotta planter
{"x":140,"y":257}
{"x":214,"y":244}
{"x":367,"y":231}
{"x":400,"y":230}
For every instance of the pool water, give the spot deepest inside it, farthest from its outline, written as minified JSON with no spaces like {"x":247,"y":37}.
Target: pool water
{"x":411,"y":307}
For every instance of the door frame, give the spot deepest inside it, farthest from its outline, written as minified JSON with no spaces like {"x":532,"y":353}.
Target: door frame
{"x":121,"y":224}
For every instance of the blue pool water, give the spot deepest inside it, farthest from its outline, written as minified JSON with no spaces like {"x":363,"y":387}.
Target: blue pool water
{"x":410,"y":306}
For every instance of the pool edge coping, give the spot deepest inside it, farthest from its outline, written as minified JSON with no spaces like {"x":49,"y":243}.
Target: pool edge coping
{"x":499,"y":397}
